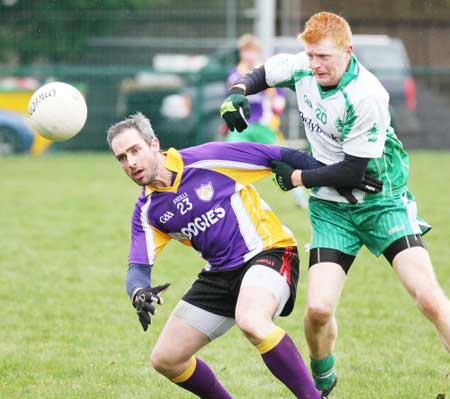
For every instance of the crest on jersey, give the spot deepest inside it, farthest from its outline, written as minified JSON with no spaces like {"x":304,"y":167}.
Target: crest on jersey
{"x":205,"y":192}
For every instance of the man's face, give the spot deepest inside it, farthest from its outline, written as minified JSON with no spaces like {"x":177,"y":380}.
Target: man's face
{"x":327,"y":61}
{"x":139,"y":160}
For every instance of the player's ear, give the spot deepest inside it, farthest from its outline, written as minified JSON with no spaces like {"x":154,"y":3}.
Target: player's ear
{"x":154,"y":145}
{"x":349,"y":49}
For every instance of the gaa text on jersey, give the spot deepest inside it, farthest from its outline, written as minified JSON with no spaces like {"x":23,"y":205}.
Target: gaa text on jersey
{"x":166,"y":217}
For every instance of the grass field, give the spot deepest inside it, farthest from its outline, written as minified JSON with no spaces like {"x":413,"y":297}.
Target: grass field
{"x":67,"y":329}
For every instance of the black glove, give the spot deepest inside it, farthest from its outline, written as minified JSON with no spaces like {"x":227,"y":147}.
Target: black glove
{"x":143,"y":302}
{"x":369,"y":184}
{"x":282,"y":175}
{"x":230,"y":110}
{"x":346,"y":192}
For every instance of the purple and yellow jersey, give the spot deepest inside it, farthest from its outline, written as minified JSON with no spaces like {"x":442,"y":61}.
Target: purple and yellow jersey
{"x":211,"y":206}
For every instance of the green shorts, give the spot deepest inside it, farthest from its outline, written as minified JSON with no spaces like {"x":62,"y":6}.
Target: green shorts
{"x":376,"y":225}
{"x":255,"y":133}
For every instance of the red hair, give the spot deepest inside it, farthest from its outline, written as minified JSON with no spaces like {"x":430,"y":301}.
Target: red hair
{"x":327,"y":25}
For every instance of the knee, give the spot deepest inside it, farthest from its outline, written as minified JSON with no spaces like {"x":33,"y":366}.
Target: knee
{"x":161,"y":362}
{"x":319,"y":314}
{"x":430,"y":302}
{"x":253,"y":328}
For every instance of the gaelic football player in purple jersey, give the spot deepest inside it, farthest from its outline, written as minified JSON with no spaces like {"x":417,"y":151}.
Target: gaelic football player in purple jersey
{"x":202,"y":196}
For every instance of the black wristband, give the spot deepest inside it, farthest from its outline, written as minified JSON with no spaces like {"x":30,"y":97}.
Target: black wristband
{"x":236,"y":90}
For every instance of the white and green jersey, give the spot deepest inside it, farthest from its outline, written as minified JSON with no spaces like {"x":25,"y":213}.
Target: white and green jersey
{"x":352,"y":118}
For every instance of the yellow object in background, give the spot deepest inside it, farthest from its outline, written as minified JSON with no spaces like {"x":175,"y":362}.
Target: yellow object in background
{"x":16,"y":100}
{"x":40,"y":144}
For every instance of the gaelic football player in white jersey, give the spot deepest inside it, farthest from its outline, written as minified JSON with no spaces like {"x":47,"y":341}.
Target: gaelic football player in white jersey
{"x":345,"y":110}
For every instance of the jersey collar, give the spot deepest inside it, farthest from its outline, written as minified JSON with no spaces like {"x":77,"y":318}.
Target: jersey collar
{"x":351,"y":73}
{"x":175,"y":163}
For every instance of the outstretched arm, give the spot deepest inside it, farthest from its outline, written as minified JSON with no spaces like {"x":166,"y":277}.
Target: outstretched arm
{"x":253,"y":82}
{"x":236,"y":108}
{"x":344,"y":176}
{"x":347,"y":173}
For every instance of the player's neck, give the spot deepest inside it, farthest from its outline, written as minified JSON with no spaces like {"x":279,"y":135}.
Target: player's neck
{"x":164,"y":178}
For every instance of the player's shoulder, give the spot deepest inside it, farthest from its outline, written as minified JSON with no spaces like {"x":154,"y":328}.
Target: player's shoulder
{"x":282,"y":67}
{"x":200,"y":152}
{"x":287,"y":61}
{"x":203,"y":154}
{"x":142,"y":199}
{"x":369,"y":81}
{"x":237,"y":156}
{"x":142,"y":203}
{"x":218,"y":151}
{"x":366,"y":89}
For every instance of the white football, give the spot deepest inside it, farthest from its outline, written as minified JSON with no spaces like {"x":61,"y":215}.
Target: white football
{"x":57,"y":111}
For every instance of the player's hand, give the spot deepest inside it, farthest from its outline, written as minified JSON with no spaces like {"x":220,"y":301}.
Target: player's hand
{"x":369,"y":184}
{"x":143,"y":301}
{"x":346,"y":192}
{"x":282,"y":174}
{"x":231,"y":109}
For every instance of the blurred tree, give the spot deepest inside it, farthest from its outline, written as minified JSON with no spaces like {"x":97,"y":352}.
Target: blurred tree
{"x":58,"y":31}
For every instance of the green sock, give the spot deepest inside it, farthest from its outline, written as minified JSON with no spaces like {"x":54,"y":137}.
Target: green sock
{"x":323,"y":372}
